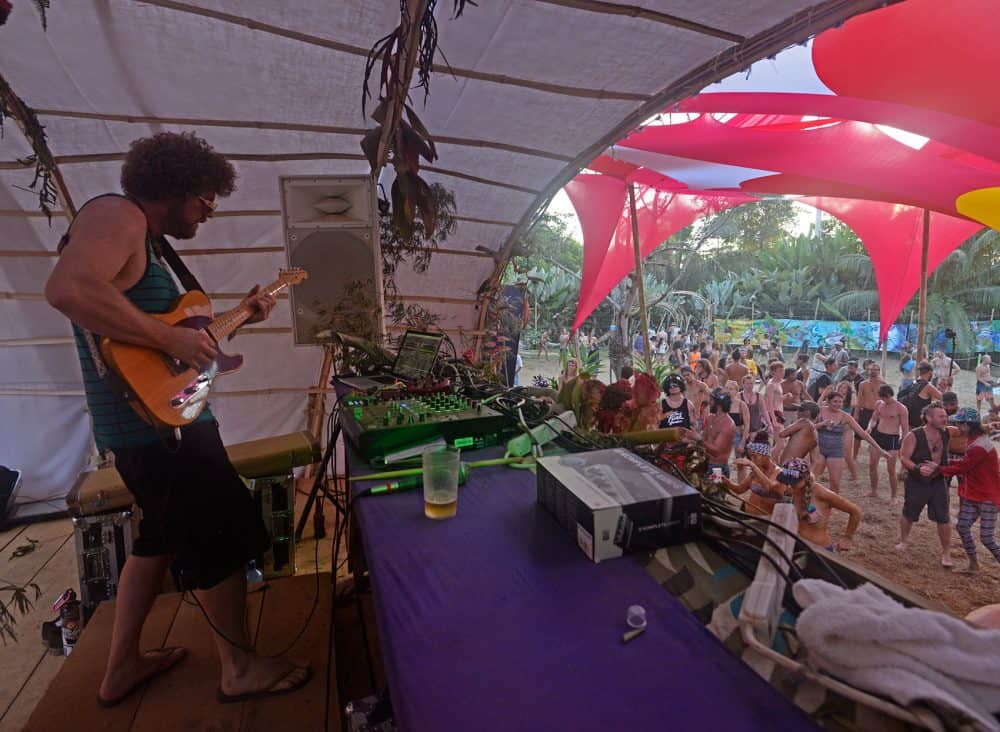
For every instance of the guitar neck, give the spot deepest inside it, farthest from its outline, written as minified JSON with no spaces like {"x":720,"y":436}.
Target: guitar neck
{"x":230,"y":320}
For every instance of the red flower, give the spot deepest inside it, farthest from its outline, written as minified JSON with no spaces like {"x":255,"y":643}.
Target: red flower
{"x":5,"y":8}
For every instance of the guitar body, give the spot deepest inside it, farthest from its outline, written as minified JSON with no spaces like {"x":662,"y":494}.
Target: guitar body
{"x":165,"y":392}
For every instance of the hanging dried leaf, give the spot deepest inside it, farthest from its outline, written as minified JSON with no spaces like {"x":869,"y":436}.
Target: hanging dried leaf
{"x":421,"y":130}
{"x":369,"y":145}
{"x":400,"y":220}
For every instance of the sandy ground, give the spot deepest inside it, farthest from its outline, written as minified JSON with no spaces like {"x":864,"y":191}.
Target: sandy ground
{"x":919,"y":568}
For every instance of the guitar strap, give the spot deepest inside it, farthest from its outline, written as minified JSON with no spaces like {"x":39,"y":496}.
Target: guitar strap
{"x":188,"y":282}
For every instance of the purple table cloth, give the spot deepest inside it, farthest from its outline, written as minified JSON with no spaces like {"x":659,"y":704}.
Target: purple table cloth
{"x":495,"y":620}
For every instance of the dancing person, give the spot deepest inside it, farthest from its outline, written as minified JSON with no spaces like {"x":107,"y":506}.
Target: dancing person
{"x":867,"y":399}
{"x":887,"y":426}
{"x":978,"y":488}
{"x":774,"y":401}
{"x":741,"y":418}
{"x":675,"y":409}
{"x":831,"y":426}
{"x":944,"y":366}
{"x":821,"y":381}
{"x":759,"y":417}
{"x":793,"y":392}
{"x":923,"y":452}
{"x":736,"y":370}
{"x":921,"y":394}
{"x":697,"y":392}
{"x":984,"y":384}
{"x":718,"y":429}
{"x":543,"y":345}
{"x":760,"y":481}
{"x":704,"y":372}
{"x":570,"y":371}
{"x":814,"y":503}
{"x":801,"y":435}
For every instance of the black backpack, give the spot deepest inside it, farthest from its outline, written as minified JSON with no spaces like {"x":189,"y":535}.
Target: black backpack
{"x":909,"y":397}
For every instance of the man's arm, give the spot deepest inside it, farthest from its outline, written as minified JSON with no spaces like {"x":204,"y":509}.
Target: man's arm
{"x":82,"y":284}
{"x":850,"y":508}
{"x":906,"y":451}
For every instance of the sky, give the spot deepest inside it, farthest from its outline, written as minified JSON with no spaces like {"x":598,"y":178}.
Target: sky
{"x":561,"y":205}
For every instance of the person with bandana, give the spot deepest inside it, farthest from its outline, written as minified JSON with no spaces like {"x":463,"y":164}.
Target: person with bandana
{"x":814,"y":503}
{"x":764,"y":491}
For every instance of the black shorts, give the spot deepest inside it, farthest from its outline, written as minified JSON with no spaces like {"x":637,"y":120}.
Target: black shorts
{"x":194,"y":506}
{"x":886,"y":441}
{"x":933,"y":494}
{"x":864,"y":417}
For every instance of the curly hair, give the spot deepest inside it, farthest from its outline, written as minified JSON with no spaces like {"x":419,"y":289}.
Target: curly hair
{"x":175,"y":166}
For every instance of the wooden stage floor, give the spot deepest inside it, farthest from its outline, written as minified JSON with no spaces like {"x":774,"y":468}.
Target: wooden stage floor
{"x":29,"y":671}
{"x":184,"y":698}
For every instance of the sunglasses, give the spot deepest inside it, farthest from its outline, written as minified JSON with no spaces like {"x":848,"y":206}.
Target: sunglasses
{"x":210,"y":205}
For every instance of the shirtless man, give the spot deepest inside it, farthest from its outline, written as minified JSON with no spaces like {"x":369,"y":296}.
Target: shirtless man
{"x":696,"y":392}
{"x":773,"y":401}
{"x":706,"y":374}
{"x":793,"y":391}
{"x":801,"y":435}
{"x":984,"y":384}
{"x":868,"y":397}
{"x":736,"y":370}
{"x":718,"y":429}
{"x":887,"y":424}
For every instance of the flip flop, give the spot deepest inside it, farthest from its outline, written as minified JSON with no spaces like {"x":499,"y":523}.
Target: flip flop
{"x":172,"y":656}
{"x":224,"y":698}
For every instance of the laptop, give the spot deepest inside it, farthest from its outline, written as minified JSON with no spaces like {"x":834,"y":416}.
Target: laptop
{"x":415,"y":359}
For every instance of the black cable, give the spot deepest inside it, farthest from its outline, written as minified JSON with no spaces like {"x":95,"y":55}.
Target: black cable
{"x":742,"y":517}
{"x":767,"y":539}
{"x":714,"y":538}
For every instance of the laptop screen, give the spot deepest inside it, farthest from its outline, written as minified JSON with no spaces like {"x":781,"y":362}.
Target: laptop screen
{"x":417,"y":354}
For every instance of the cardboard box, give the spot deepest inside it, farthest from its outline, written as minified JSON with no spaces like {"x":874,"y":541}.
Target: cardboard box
{"x":613,"y":502}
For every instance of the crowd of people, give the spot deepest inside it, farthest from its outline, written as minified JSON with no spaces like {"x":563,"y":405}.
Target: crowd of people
{"x":772,"y":431}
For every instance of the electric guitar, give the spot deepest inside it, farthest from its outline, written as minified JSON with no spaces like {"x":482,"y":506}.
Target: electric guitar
{"x":166,"y":392}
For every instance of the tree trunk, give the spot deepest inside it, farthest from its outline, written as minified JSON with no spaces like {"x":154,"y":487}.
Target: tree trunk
{"x":620,"y":345}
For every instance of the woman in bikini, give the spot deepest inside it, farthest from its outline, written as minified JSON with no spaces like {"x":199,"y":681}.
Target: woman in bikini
{"x":814,"y":503}
{"x":846,"y":390}
{"x":831,"y":427}
{"x":764,"y":490}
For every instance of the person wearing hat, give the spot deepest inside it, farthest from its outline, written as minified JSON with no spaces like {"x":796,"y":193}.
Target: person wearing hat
{"x":814,"y":503}
{"x":718,"y":429}
{"x":764,"y":490}
{"x":675,"y":410}
{"x":979,"y":485}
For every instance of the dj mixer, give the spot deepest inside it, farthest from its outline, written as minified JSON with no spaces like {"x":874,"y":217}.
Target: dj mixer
{"x":377,"y":427}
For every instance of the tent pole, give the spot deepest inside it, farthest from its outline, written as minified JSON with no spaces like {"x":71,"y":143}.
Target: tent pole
{"x":643,"y":317}
{"x":922,"y":306}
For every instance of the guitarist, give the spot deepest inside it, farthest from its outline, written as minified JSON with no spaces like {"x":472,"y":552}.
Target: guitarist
{"x":196,"y":512}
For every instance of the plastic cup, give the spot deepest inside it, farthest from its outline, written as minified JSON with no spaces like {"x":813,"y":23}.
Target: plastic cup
{"x":441,"y":482}
{"x":635,"y":616}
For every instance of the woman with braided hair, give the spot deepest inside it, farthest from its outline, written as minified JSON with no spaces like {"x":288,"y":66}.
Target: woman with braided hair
{"x":814,"y":503}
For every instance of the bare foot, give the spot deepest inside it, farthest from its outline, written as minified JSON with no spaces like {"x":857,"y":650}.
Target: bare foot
{"x":972,"y":568}
{"x":264,"y":675}
{"x":872,"y":494}
{"x":946,"y":561}
{"x":122,"y":680}
{"x":901,"y":546}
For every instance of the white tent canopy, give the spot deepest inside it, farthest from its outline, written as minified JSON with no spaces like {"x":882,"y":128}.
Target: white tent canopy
{"x":539,"y":88}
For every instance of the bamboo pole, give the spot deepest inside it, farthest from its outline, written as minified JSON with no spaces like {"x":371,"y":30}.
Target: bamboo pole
{"x":922,"y":304}
{"x":643,"y":317}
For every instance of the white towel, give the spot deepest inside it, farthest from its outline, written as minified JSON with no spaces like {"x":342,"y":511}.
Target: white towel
{"x":866,"y":638}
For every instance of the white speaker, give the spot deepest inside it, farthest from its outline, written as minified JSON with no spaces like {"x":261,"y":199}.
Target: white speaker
{"x":330,"y":227}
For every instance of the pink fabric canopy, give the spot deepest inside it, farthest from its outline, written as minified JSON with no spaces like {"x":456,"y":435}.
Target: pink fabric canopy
{"x":912,"y":124}
{"x":893,"y":236}
{"x":608,"y":253}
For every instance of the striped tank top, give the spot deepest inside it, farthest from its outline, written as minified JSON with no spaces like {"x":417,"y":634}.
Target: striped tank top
{"x":116,"y":424}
